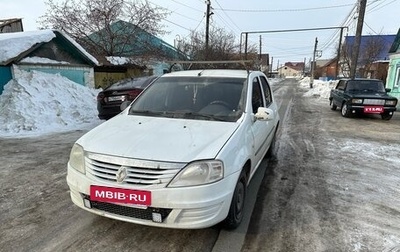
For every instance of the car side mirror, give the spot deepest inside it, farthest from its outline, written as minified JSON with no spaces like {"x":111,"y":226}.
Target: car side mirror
{"x":388,"y":90}
{"x":124,"y":105}
{"x":264,"y":114}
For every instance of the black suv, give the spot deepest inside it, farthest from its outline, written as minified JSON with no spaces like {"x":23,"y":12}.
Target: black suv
{"x":362,"y":96}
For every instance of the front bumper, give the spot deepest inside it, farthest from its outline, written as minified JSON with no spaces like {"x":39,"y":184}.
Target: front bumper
{"x":359,"y":109}
{"x":186,"y":207}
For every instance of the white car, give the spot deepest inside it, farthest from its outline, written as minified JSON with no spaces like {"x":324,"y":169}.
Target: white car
{"x":182,"y":154}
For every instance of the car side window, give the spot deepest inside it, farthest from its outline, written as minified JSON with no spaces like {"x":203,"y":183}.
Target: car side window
{"x":256,"y":100}
{"x":267,"y":91}
{"x":341,"y":85}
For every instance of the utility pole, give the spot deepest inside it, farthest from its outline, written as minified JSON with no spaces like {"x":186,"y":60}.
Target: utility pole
{"x":313,"y":63}
{"x":208,"y":14}
{"x":260,"y":48}
{"x":338,"y":53}
{"x":271,"y":69}
{"x":245,"y":45}
{"x":357,"y":39}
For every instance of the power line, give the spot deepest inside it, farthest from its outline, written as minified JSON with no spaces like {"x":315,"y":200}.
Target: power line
{"x":223,"y":10}
{"x":288,"y":10}
{"x":190,"y":7}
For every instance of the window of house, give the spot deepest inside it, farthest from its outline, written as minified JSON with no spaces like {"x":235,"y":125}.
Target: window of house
{"x":397,"y":79}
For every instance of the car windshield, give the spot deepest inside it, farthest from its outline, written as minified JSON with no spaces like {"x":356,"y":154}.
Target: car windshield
{"x":197,"y":97}
{"x":366,"y":86}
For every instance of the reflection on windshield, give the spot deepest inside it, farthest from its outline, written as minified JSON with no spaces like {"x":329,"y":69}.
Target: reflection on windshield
{"x":202,"y":98}
{"x":366,"y":86}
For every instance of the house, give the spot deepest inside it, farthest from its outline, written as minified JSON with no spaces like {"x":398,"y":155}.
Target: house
{"x":373,"y":49}
{"x":291,"y":69}
{"x":141,"y":54}
{"x":11,"y":25}
{"x":393,"y":77}
{"x":326,"y":69}
{"x":264,"y":63}
{"x":49,"y":51}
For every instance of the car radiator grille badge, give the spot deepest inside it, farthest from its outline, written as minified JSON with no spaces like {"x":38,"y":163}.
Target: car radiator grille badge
{"x":121,"y":174}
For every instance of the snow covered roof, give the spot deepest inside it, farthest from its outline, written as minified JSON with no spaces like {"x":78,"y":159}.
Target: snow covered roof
{"x":14,"y":44}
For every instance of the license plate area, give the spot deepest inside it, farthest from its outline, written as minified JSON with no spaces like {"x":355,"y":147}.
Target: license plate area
{"x":373,"y":109}
{"x":120,"y":195}
{"x":116,"y":98}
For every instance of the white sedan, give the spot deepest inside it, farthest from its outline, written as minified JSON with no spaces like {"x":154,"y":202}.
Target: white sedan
{"x":182,"y":154}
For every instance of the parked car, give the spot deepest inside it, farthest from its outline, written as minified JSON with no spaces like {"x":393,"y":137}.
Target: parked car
{"x":362,"y":96}
{"x":110,"y":99}
{"x":182,"y":154}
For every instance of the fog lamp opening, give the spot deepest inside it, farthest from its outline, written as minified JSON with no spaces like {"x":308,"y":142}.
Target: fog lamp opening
{"x":156,"y":217}
{"x":87,"y":203}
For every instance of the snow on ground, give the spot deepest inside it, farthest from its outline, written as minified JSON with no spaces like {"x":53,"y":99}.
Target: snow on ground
{"x":320,"y":88}
{"x":37,"y":103}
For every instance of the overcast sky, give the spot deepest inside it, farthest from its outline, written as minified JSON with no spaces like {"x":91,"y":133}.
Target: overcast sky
{"x":238,"y":16}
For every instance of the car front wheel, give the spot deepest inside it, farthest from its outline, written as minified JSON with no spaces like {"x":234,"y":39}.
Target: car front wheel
{"x":236,"y":209}
{"x":386,"y":116}
{"x":345,"y":110}
{"x":333,"y":106}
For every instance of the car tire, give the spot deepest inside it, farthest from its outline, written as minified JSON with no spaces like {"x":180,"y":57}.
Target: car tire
{"x":386,"y":116}
{"x":332,"y":105}
{"x":345,"y":110}
{"x":236,"y":210}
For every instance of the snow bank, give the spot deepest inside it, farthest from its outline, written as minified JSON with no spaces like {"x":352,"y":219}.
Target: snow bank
{"x":320,"y":88}
{"x":37,"y":103}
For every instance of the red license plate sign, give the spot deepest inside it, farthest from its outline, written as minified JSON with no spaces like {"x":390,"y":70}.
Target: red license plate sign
{"x":373,"y":109}
{"x":120,"y":195}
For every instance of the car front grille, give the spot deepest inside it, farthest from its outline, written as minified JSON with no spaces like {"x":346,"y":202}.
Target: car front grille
{"x":139,"y":213}
{"x":374,"y":102}
{"x":138,"y":172}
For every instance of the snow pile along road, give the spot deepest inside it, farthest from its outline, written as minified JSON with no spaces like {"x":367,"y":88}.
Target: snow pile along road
{"x":37,"y":103}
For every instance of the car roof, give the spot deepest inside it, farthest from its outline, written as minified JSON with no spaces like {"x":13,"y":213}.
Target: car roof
{"x":360,"y":79}
{"x":232,"y":73}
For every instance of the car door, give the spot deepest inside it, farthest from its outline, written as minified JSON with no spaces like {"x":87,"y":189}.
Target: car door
{"x":338,"y":93}
{"x":260,"y":129}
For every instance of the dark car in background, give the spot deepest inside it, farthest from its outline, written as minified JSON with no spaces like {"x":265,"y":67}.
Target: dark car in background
{"x":110,"y":99}
{"x":363,"y":96}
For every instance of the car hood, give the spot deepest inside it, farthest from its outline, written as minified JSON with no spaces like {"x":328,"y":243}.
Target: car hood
{"x":372,"y":95}
{"x":157,"y":138}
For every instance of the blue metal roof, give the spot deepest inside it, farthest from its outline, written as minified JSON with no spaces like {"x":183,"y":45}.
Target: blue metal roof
{"x":386,"y":40}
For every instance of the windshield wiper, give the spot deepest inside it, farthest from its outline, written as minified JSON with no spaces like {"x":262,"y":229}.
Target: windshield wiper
{"x":146,"y":112}
{"x":205,"y":116}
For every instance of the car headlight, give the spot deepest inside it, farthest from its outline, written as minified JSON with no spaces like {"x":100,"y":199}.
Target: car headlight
{"x":199,"y":173}
{"x":77,"y":158}
{"x":390,"y":102}
{"x":357,"y":101}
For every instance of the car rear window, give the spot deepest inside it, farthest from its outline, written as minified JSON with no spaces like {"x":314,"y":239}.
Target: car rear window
{"x":139,"y":82}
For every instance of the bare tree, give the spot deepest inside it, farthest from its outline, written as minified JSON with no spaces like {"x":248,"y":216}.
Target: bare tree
{"x":99,"y":25}
{"x":222,"y":46}
{"x":370,"y":51}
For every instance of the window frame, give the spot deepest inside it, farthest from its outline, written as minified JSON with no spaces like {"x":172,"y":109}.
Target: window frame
{"x":267,"y":91}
